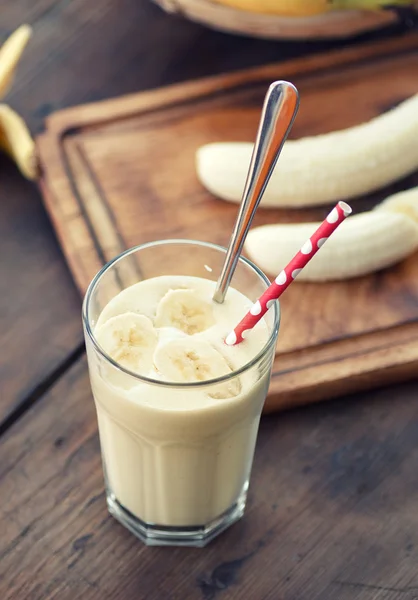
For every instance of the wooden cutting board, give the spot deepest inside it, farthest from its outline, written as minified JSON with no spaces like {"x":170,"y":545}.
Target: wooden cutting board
{"x":121,"y":172}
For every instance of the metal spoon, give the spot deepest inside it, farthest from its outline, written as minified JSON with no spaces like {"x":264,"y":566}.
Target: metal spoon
{"x":279,"y":111}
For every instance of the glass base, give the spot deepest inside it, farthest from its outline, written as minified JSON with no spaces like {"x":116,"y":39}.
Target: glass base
{"x":161,"y":535}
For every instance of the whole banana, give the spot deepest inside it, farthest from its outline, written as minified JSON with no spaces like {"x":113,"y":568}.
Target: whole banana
{"x":322,"y":169}
{"x":365,"y":243}
{"x":306,"y":8}
{"x":15,"y":138}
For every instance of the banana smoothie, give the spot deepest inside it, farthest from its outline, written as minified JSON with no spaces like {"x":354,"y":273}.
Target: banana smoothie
{"x":172,"y":457}
{"x":177,"y":408}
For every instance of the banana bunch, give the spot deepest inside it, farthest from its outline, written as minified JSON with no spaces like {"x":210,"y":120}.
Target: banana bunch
{"x":168,"y":348}
{"x":15,"y":138}
{"x":307,"y":8}
{"x":322,"y":169}
{"x":363,"y":244}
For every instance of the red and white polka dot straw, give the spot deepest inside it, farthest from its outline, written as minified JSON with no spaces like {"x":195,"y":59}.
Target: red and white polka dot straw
{"x":289,"y":273}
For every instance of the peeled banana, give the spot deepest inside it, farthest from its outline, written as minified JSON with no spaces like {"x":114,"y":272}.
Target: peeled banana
{"x":304,"y":8}
{"x":325,"y":168}
{"x":15,"y":138}
{"x":364,"y":243}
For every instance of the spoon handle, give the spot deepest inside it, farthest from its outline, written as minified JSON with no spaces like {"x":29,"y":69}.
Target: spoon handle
{"x":279,"y":111}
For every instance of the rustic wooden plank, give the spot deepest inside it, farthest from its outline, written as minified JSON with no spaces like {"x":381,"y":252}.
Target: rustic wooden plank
{"x":122,"y":172}
{"x":39,"y":305}
{"x":332,"y":510}
{"x":129,"y":105}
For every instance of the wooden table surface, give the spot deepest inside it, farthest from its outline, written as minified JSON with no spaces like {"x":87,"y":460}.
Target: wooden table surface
{"x":333,"y":508}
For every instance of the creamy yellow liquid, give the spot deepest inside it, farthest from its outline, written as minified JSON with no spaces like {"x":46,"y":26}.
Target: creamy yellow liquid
{"x":179,"y":456}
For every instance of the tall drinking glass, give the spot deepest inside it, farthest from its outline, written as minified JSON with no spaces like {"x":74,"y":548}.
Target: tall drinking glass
{"x":177,"y":475}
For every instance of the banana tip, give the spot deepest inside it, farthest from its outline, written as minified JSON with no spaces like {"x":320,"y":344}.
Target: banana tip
{"x":26,"y":29}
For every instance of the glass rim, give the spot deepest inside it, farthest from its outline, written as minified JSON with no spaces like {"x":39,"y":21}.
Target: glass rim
{"x":144,"y":379}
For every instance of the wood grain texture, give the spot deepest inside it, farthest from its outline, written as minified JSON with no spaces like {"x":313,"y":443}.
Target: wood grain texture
{"x":331,"y":514}
{"x":332,"y":511}
{"x":121,"y":172}
{"x":39,"y":305}
{"x":128,"y":45}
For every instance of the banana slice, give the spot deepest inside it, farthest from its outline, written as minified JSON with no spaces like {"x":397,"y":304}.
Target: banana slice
{"x":10,"y":53}
{"x":185,"y":310}
{"x":190,"y":360}
{"x":130,"y":339}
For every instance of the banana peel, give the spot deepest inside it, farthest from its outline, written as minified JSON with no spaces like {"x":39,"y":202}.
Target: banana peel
{"x":15,"y":138}
{"x":17,"y":142}
{"x":10,"y":54}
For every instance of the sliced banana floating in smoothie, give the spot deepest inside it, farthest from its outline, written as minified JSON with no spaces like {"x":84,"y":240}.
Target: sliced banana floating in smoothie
{"x":190,"y":359}
{"x":183,"y":342}
{"x":185,"y":310}
{"x":130,"y":339}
